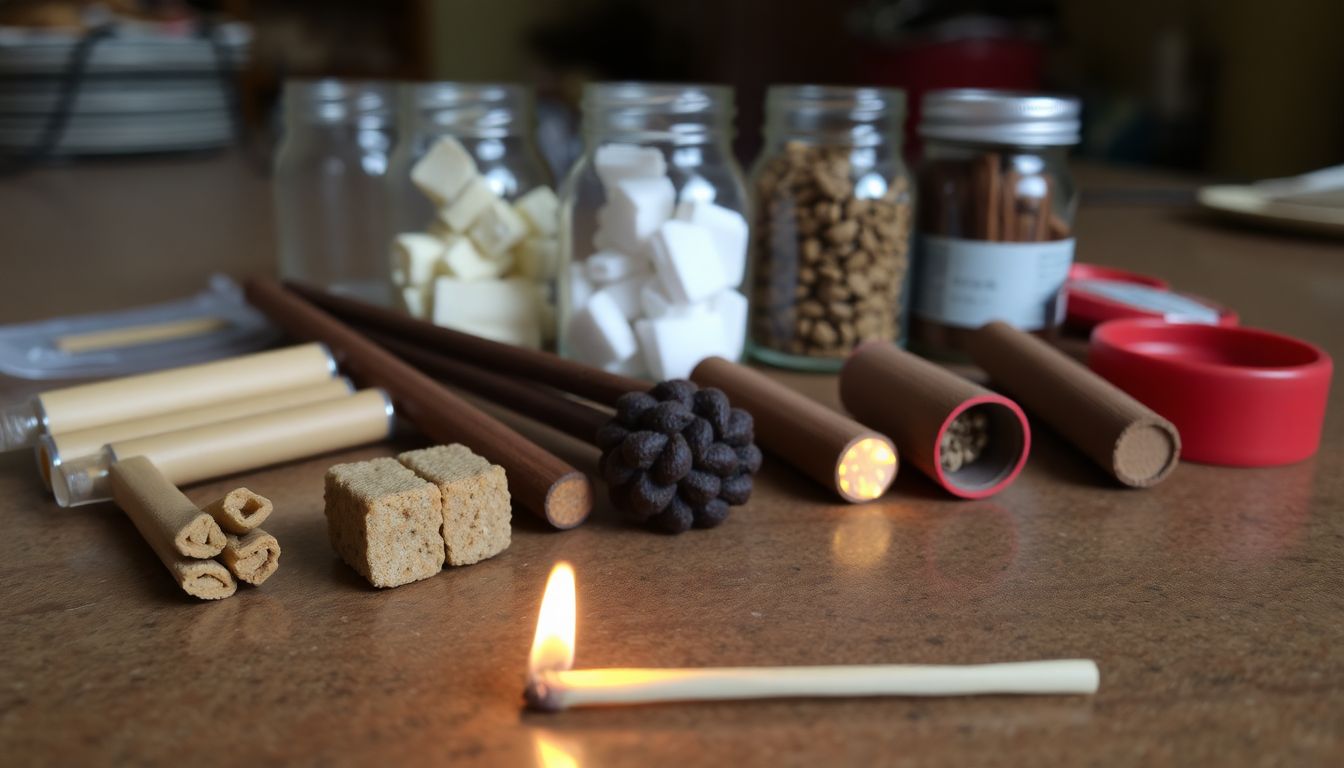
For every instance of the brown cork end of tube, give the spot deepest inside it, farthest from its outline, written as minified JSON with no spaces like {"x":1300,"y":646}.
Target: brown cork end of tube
{"x":569,"y":500}
{"x":1145,"y":453}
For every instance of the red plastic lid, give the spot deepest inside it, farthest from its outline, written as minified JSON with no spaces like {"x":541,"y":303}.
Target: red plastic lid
{"x":1097,"y":294}
{"x":1239,"y":396}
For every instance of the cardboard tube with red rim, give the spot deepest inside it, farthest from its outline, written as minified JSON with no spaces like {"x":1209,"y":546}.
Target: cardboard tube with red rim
{"x":1126,"y":438}
{"x":829,"y":447}
{"x":915,"y":402}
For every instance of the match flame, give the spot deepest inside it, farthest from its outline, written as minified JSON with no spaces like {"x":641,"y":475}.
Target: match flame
{"x":866,"y":469}
{"x":553,"y":645}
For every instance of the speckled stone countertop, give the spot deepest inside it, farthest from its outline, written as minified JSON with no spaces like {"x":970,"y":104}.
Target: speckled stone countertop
{"x":1214,"y":603}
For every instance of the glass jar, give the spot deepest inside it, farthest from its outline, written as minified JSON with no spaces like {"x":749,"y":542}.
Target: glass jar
{"x":329,"y":192}
{"x":654,"y":232}
{"x":996,"y":214}
{"x":475,"y":213}
{"x":831,"y":240}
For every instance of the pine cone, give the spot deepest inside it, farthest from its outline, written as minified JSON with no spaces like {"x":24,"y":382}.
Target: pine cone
{"x":678,"y":456}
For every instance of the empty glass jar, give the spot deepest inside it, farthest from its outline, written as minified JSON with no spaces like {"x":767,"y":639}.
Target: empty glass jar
{"x":330,"y":194}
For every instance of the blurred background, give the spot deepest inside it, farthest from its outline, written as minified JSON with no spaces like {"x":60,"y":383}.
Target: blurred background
{"x":1229,"y":88}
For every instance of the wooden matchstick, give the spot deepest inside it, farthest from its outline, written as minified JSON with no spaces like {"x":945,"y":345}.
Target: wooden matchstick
{"x":558,"y":690}
{"x":541,"y":482}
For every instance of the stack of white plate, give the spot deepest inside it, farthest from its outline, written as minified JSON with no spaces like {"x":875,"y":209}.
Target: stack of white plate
{"x":139,"y":93}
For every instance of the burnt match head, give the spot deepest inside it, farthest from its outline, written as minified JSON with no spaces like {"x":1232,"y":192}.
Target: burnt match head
{"x":678,"y":456}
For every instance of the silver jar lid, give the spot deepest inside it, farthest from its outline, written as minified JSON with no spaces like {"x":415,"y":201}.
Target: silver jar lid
{"x":1000,"y":117}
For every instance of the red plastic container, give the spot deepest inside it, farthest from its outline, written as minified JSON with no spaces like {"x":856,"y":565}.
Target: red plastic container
{"x":1088,"y":307}
{"x":1239,"y":396}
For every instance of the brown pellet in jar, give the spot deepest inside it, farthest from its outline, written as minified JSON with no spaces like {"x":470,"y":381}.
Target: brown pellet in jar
{"x":830,"y":264}
{"x":964,"y":441}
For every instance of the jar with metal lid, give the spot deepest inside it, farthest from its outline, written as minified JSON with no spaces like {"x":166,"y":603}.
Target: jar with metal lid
{"x":996,"y":214}
{"x":475,"y":215}
{"x":831,"y":240}
{"x":329,"y":192}
{"x":654,"y":232}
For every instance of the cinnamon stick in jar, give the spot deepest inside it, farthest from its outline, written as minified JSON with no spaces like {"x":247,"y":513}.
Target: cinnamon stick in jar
{"x":1130,"y":441}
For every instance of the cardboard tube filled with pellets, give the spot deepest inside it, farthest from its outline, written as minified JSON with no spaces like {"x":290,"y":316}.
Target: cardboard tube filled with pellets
{"x":829,"y":447}
{"x":239,"y":445}
{"x":1123,"y":436}
{"x":967,"y":439}
{"x":53,"y":450}
{"x":148,"y":394}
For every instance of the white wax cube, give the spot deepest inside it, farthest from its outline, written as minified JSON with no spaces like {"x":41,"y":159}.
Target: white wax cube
{"x":687,"y":262}
{"x":609,"y":267}
{"x":580,"y":290}
{"x":626,"y":295}
{"x":416,"y":257}
{"x":498,"y":228}
{"x":537,"y":257}
{"x":541,"y":209}
{"x":731,"y":309}
{"x":444,"y":170}
{"x":599,"y":333}
{"x":615,"y":233}
{"x":615,"y":162}
{"x":654,"y":301}
{"x":501,"y":310}
{"x":470,"y":203}
{"x":675,"y":344}
{"x":417,"y":300}
{"x":641,"y":205}
{"x":729,"y":230}
{"x":465,"y":262}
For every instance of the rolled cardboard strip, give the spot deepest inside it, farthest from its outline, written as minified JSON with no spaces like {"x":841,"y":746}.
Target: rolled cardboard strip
{"x":66,"y":446}
{"x":915,"y":402}
{"x":252,"y":557}
{"x":148,"y":394}
{"x":240,"y":510}
{"x":153,"y":504}
{"x":1126,"y":438}
{"x":843,"y":455}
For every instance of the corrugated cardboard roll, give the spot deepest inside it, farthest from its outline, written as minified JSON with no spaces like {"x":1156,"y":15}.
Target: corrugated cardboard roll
{"x":1126,"y":438}
{"x":915,"y":402}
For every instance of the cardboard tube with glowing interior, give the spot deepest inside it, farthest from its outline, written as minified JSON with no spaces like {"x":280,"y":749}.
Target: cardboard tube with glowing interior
{"x":226,"y":447}
{"x":55,"y":449}
{"x":148,"y":394}
{"x":831,"y":448}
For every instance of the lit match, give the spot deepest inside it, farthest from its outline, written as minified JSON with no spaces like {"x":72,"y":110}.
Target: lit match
{"x":552,"y":685}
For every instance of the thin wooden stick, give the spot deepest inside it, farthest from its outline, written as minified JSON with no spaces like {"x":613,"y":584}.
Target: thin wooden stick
{"x":557,"y":690}
{"x":541,"y":482}
{"x":534,"y":401}
{"x":575,"y":378}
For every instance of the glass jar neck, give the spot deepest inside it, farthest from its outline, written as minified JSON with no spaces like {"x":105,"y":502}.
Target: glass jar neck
{"x":834,"y":115}
{"x":366,"y":104}
{"x":657,"y":113}
{"x":467,"y":110}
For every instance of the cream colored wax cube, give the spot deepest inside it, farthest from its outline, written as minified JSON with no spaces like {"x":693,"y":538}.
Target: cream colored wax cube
{"x":444,"y":170}
{"x":416,"y":257}
{"x":465,"y":262}
{"x":498,"y":228}
{"x":467,"y":206}
{"x":537,"y":258}
{"x":541,"y":209}
{"x":501,"y":310}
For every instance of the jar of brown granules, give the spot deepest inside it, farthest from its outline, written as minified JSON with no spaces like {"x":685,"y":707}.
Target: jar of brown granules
{"x":996,"y":205}
{"x":831,"y":235}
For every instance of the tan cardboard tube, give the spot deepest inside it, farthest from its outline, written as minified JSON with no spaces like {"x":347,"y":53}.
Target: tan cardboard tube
{"x":136,"y":335}
{"x":65,"y":446}
{"x":1126,"y":438}
{"x":915,"y":402}
{"x":148,"y":394}
{"x":843,"y":455}
{"x":154,"y":505}
{"x":226,"y":447}
{"x":239,"y":510}
{"x":252,"y":557}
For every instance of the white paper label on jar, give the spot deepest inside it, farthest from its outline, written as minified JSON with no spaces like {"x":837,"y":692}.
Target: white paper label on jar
{"x":967,"y":283}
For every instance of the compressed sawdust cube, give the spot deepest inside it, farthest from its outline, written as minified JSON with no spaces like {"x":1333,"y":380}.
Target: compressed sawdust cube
{"x":384,"y":521}
{"x":476,"y":511}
